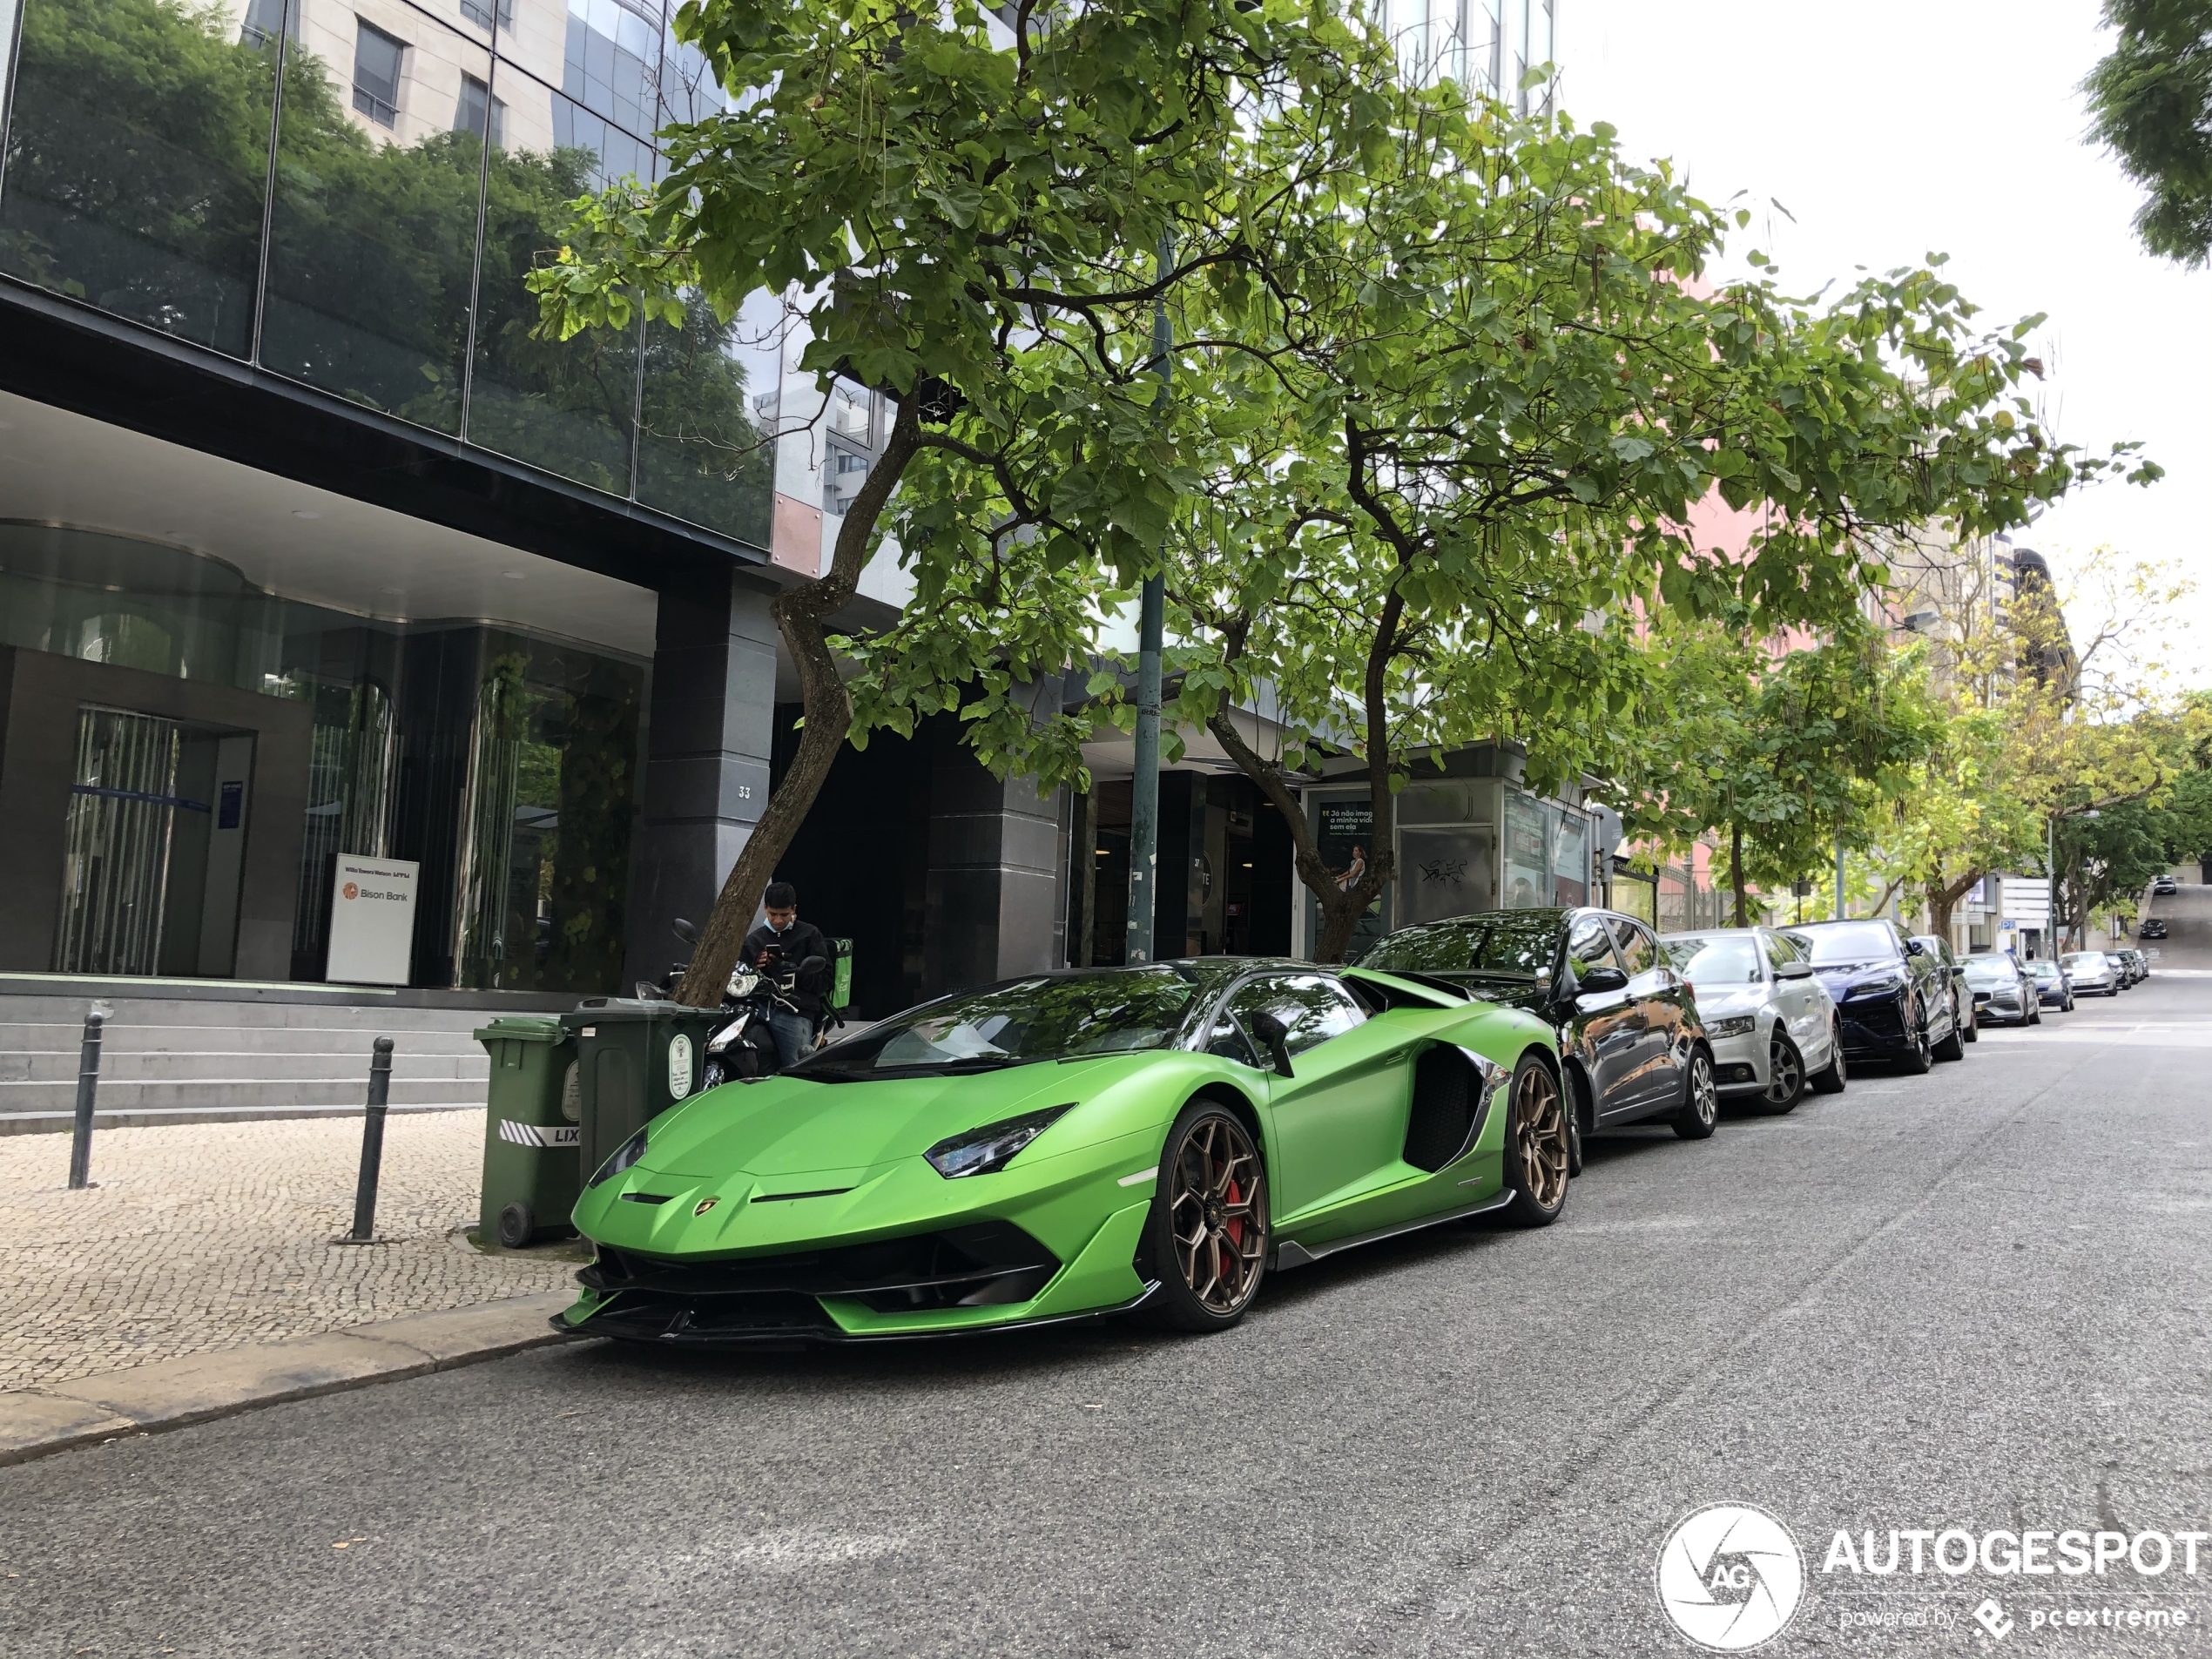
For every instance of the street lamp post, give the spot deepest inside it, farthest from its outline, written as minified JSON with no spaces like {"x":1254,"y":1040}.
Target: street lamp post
{"x":1144,"y":786}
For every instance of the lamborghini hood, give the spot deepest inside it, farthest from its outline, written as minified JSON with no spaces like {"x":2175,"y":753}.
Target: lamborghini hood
{"x":791,"y":1126}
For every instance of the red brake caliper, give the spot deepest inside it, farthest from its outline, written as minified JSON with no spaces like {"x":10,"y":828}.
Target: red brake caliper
{"x":1235,"y":1228}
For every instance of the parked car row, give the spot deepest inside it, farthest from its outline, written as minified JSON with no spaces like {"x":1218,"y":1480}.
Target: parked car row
{"x":1161,"y":1138}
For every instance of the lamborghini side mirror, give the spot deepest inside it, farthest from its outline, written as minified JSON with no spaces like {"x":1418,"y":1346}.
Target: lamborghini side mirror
{"x":1270,"y":1030}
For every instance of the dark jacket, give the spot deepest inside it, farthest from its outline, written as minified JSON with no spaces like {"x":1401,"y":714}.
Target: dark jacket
{"x":786,"y":951}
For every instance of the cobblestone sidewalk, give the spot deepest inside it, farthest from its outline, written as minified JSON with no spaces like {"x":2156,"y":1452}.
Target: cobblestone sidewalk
{"x":205,"y":1237}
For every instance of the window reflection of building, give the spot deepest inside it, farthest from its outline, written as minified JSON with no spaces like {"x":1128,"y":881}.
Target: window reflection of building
{"x":424,"y":161}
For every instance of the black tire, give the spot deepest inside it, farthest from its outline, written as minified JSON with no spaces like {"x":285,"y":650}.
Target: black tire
{"x":1831,"y":1078}
{"x":1953,"y":1045}
{"x":1700,"y":1111}
{"x":1917,"y":1057}
{"x":1971,"y":1029}
{"x":1209,"y":1147}
{"x":517,"y":1226}
{"x":1577,"y":1098}
{"x":1785,"y":1070}
{"x":2036,"y":1018}
{"x":1539,"y":1136}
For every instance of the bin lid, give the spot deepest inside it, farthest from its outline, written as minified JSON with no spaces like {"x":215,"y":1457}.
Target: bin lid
{"x":613,"y":1010}
{"x":522,"y":1028}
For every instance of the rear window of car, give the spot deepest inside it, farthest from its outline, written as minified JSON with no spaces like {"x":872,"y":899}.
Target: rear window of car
{"x":1720,"y":959}
{"x":1988,"y":971}
{"x":2092,"y":959}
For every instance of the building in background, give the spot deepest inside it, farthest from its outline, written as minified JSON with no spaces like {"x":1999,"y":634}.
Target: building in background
{"x":310,"y":551}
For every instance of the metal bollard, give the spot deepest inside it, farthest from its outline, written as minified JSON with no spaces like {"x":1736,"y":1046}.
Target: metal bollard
{"x":88,"y":1087}
{"x":380,"y":1086}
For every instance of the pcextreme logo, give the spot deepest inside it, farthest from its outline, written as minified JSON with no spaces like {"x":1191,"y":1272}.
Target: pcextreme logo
{"x":1731,"y":1576}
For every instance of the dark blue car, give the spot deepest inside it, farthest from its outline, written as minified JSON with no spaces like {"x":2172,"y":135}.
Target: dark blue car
{"x":1895,"y":999}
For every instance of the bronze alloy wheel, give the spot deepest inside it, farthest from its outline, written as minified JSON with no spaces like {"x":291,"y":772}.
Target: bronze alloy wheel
{"x":1539,"y":1136}
{"x":1218,"y":1214}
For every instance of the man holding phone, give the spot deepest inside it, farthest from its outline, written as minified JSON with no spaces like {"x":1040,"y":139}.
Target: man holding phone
{"x":774,"y":950}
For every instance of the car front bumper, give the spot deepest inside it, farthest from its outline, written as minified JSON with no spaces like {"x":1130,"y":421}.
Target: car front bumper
{"x":1874,"y":1027}
{"x":727,"y":1261}
{"x":1740,"y":1064}
{"x":2000,"y":1005}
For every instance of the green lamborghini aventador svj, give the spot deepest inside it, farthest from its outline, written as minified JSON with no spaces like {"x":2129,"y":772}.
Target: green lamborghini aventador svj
{"x":1070,"y":1145}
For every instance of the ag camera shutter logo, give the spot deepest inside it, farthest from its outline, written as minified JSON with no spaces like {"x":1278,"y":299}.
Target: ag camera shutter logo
{"x":1730,"y":1577}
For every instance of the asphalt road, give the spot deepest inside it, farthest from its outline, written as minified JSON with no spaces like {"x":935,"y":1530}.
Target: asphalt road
{"x":1977,"y":1298}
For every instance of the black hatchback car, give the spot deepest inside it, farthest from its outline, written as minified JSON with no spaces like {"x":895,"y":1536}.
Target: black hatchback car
{"x":1895,"y":996}
{"x":1628,"y":1030}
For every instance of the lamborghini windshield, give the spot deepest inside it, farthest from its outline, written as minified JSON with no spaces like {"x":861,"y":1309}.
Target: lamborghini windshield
{"x":1061,"y":1016}
{"x":1508,"y":945}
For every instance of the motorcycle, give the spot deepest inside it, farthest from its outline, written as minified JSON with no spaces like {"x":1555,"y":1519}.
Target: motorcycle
{"x":742,"y":1045}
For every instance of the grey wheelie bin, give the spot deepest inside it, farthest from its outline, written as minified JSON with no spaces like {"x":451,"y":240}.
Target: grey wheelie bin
{"x":531,"y":1130}
{"x":634,"y":1059}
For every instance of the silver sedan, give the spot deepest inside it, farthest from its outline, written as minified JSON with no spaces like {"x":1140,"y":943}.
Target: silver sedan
{"x":2095,"y":972}
{"x":1769,"y":1020}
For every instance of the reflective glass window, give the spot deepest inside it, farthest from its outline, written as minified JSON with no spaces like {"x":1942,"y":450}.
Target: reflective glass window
{"x":1637,"y":953}
{"x":707,"y":418}
{"x":373,"y":235}
{"x":489,"y":13}
{"x":1312,"y":1008}
{"x":566,"y":406}
{"x":545,"y":861}
{"x":137,"y":163}
{"x":478,"y":112}
{"x":265,"y":20}
{"x":610,"y":63}
{"x":377,"y":60}
{"x":1589,"y":945}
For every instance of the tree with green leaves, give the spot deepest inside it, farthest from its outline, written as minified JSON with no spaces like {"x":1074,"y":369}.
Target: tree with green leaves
{"x":1450,"y":447}
{"x":1783,"y":752}
{"x":968,"y":203}
{"x":2150,"y":102}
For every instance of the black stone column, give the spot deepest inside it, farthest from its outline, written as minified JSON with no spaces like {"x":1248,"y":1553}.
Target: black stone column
{"x":706,"y":757}
{"x":996,"y":896}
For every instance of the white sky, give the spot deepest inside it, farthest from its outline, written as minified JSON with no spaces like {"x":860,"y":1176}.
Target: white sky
{"x":1889,"y":129}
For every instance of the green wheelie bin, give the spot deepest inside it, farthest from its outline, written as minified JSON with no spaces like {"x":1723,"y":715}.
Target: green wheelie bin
{"x":532,"y":1127}
{"x":634,"y":1059}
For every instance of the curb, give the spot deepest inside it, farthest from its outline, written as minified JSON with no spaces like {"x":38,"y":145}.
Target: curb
{"x":173,"y":1393}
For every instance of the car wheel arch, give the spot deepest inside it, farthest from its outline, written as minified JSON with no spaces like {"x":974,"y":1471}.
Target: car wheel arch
{"x":1239,"y":1106}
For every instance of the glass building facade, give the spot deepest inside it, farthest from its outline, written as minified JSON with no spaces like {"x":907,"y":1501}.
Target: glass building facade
{"x":1487,"y":46}
{"x":504,"y":763}
{"x":350,"y":194}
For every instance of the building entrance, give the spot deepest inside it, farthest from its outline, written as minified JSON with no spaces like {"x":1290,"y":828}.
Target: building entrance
{"x":153,"y":848}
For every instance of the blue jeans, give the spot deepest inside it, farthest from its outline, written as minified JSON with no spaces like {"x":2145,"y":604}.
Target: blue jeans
{"x":794,"y":1034}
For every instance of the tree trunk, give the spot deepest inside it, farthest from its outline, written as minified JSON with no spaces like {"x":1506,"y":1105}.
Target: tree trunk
{"x":1943,"y":900}
{"x":1736,"y":874}
{"x":801,"y":613}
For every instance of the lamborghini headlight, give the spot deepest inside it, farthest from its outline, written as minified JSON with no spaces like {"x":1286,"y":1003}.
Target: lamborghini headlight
{"x":625,"y":1156}
{"x":1737,"y":1025}
{"x":982,"y":1151}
